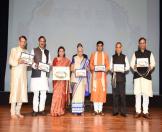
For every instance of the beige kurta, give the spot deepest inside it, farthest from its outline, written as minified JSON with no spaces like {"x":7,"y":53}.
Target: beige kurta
{"x":18,"y":81}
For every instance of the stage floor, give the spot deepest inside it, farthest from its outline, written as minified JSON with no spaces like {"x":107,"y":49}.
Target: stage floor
{"x":87,"y":122}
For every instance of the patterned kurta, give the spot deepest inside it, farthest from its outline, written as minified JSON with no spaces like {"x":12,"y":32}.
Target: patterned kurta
{"x":18,"y":91}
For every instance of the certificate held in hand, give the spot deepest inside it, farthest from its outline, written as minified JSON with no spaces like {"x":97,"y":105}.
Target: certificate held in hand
{"x":119,"y":68}
{"x":61,"y":73}
{"x":80,"y":73}
{"x":27,"y":58}
{"x":100,"y":68}
{"x":43,"y":67}
{"x":142,"y":62}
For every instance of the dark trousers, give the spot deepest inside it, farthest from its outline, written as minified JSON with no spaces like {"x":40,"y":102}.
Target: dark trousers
{"x":119,"y":102}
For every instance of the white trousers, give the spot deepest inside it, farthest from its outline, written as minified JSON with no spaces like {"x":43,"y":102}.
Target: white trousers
{"x":98,"y":106}
{"x":144,"y":105}
{"x":15,"y":108}
{"x":39,"y":100}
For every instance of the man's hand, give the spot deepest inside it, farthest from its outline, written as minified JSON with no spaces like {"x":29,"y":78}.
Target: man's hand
{"x":20,"y":61}
{"x":135,"y":67}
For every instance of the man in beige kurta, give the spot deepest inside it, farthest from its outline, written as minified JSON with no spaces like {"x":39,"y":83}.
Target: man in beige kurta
{"x":18,"y":81}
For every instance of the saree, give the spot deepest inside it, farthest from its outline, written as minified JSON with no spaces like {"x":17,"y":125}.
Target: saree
{"x":60,"y":90}
{"x":80,"y":85}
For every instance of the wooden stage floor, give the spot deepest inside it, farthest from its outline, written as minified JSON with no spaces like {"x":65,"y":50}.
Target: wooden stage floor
{"x":85,"y":123}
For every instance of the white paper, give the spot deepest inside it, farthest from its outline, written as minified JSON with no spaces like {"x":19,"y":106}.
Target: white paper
{"x":100,"y":68}
{"x":61,"y":73}
{"x":43,"y":67}
{"x":80,"y":73}
{"x":28,"y":58}
{"x":142,"y":62}
{"x":119,"y":68}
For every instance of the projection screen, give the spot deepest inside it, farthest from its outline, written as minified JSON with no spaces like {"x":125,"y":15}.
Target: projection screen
{"x":67,"y":22}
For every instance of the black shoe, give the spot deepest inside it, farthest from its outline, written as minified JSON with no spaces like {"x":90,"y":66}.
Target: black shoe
{"x":34,"y":113}
{"x":147,"y":116}
{"x":124,"y":115}
{"x":42,"y":113}
{"x":115,"y":114}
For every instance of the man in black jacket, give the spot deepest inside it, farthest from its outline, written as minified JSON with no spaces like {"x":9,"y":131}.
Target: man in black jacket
{"x":142,"y":63}
{"x":119,"y":65}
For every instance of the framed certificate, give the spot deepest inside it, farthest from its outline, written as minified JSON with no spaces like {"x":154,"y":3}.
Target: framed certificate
{"x":28,"y":58}
{"x":61,"y":73}
{"x":119,"y":68}
{"x":80,"y":73}
{"x":43,"y":67}
{"x":142,"y":62}
{"x":100,"y":68}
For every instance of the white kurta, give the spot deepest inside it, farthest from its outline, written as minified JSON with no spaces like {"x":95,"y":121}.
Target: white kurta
{"x":40,"y":83}
{"x":143,"y":86}
{"x":18,"y":85}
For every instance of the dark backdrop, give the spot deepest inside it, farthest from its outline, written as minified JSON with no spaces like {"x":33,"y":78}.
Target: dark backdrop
{"x":4,"y":6}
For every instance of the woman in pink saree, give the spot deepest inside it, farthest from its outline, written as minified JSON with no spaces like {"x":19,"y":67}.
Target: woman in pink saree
{"x":60,"y":87}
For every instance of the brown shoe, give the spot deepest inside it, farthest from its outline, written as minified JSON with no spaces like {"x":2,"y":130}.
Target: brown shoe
{"x":137,"y":115}
{"x":147,"y":116}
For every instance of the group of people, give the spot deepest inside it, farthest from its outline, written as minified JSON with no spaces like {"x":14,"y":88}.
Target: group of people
{"x":96,"y":68}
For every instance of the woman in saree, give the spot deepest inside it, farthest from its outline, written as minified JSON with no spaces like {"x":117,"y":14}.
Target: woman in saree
{"x":79,"y":84}
{"x":60,"y":87}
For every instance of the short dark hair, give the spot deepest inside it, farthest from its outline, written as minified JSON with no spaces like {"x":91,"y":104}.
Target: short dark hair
{"x":22,"y":36}
{"x":100,"y":42}
{"x":79,"y":45}
{"x":42,"y":37}
{"x":142,"y":38}
{"x":61,"y":47}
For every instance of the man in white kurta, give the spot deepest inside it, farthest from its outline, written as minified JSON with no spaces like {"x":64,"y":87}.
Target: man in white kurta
{"x":142,"y":77}
{"x":18,"y":81}
{"x":39,"y":79}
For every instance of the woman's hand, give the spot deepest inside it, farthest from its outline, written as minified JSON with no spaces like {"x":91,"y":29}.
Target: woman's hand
{"x":72,"y":68}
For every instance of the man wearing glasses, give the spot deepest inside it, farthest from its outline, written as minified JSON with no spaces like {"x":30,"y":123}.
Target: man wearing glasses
{"x":119,"y":65}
